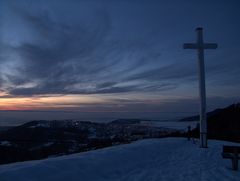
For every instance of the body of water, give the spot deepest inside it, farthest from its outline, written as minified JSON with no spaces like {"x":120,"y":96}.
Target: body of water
{"x":14,"y":118}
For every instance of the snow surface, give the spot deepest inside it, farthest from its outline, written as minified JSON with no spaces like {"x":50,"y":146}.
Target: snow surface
{"x":145,"y":160}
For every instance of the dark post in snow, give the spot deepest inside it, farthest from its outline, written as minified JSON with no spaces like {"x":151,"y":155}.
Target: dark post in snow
{"x":200,"y":46}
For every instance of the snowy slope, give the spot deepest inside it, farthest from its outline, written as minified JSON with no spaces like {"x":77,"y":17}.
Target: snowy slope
{"x":153,"y":159}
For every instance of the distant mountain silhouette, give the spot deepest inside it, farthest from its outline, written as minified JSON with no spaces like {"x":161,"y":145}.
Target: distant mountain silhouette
{"x":223,"y":124}
{"x":196,"y":117}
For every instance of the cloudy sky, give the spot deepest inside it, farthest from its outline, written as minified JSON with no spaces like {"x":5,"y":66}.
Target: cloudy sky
{"x":116,"y":56}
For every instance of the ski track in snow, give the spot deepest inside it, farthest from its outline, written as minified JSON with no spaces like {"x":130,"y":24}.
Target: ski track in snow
{"x":146,"y":160}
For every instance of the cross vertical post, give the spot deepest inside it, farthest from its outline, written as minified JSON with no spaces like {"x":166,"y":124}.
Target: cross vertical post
{"x":200,"y":46}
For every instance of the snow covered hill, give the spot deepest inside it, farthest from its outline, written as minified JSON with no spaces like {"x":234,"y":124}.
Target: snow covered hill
{"x":145,"y":160}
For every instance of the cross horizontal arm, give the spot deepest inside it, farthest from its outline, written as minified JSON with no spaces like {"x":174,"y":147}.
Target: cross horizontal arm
{"x":197,"y":46}
{"x":210,"y":45}
{"x":190,"y":46}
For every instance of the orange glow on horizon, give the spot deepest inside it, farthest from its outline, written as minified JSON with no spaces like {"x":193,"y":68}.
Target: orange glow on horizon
{"x":51,"y":102}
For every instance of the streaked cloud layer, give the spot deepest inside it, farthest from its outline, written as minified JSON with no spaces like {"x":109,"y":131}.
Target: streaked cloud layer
{"x":72,"y":54}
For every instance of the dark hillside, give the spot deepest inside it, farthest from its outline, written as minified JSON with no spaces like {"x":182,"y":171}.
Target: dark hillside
{"x":223,"y":124}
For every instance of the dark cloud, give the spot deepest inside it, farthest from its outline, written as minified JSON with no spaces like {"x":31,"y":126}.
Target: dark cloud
{"x":64,"y":46}
{"x":68,"y":54}
{"x":92,"y":55}
{"x":170,"y":72}
{"x":104,"y":88}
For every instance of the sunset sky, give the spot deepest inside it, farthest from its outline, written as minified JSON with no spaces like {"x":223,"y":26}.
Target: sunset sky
{"x":116,"y":56}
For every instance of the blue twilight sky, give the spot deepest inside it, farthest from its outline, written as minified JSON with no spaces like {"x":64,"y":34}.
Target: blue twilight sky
{"x":120,"y":56}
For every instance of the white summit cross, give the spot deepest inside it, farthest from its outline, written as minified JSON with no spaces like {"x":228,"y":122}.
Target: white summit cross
{"x":200,"y":46}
